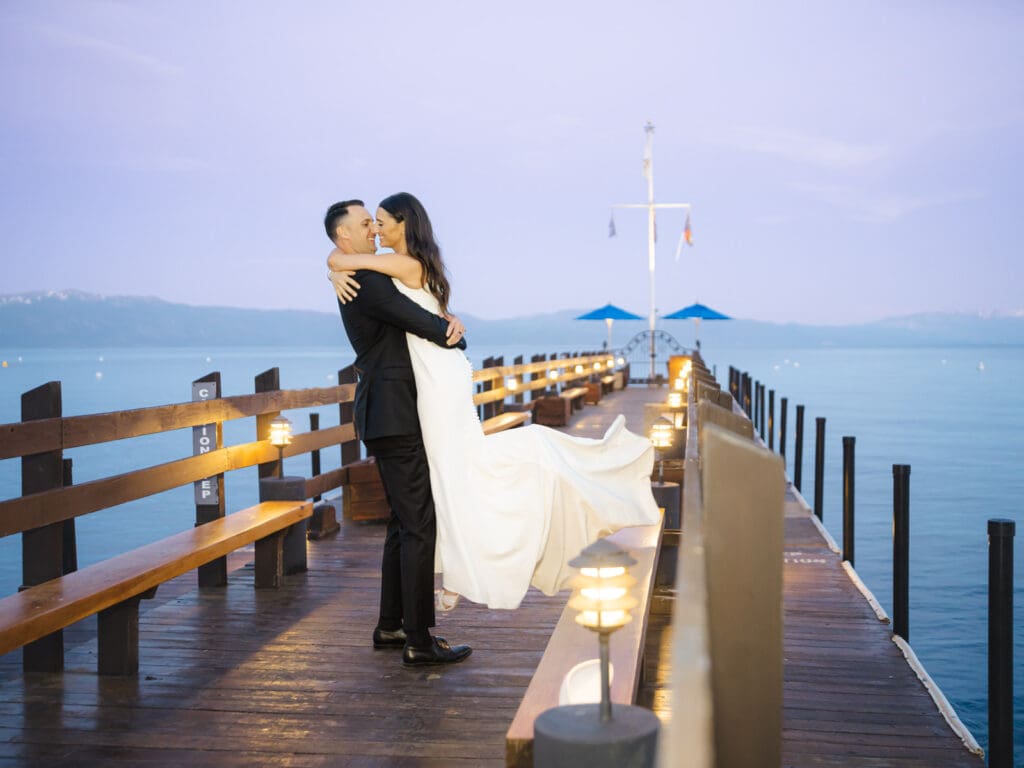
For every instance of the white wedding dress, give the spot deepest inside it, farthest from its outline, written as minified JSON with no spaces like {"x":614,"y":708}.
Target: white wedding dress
{"x":514,"y":507}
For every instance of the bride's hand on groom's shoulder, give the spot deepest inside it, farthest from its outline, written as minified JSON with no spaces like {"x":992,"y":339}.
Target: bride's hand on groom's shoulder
{"x":345,"y":285}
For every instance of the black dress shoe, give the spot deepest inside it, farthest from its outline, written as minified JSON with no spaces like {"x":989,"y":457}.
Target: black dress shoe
{"x":389,"y":638}
{"x":438,"y":652}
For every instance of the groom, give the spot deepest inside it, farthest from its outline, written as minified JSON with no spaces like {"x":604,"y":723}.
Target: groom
{"x":376,"y":322}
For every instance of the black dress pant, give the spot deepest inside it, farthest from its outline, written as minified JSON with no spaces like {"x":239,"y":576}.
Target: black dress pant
{"x":407,"y":567}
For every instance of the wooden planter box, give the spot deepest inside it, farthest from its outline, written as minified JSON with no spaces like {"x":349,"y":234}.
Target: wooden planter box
{"x":363,"y":496}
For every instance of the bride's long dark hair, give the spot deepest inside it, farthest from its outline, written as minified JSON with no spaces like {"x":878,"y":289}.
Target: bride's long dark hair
{"x":419,"y":237}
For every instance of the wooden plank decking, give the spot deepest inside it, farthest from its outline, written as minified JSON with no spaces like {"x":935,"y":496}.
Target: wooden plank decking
{"x":238,"y":677}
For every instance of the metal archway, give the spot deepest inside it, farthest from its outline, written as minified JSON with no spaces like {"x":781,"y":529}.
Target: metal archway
{"x":637,"y":352}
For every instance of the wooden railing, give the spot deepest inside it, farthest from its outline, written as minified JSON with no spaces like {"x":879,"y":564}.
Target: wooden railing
{"x":40,"y":439}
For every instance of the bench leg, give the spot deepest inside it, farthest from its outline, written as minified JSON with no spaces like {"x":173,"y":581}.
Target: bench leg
{"x":45,"y":654}
{"x":270,"y":561}
{"x":118,"y":637}
{"x":295,"y":547}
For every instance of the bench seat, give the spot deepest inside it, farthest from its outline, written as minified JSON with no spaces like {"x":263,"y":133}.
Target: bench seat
{"x":571,"y":644}
{"x":575,"y":395}
{"x":112,"y":588}
{"x":503,"y":421}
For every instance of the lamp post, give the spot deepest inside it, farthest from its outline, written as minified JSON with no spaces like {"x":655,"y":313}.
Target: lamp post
{"x":280,"y":436}
{"x":282,"y":488}
{"x":661,"y":439}
{"x":592,"y":735}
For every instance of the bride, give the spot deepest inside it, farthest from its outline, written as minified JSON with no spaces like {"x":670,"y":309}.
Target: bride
{"x":512,"y":507}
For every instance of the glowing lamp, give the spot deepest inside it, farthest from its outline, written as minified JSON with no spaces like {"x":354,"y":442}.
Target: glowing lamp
{"x":597,"y":366}
{"x":579,"y":368}
{"x":511,"y":383}
{"x":675,"y":399}
{"x":553,"y":374}
{"x":661,"y":439}
{"x":280,"y":436}
{"x":603,"y":600}
{"x":622,"y":361}
{"x":679,"y":385}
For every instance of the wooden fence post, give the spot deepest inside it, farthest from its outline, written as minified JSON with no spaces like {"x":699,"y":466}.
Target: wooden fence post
{"x":268,"y":381}
{"x":209,"y":493}
{"x":42,"y":549}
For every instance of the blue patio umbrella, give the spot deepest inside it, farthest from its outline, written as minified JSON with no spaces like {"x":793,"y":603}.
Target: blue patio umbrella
{"x":698,"y":312}
{"x":609,"y":313}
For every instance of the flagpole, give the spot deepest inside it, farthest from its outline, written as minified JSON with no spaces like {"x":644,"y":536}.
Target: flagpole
{"x":651,"y":206}
{"x":649,"y":173}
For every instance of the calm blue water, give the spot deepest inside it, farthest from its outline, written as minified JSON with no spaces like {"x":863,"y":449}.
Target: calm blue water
{"x":960,"y":428}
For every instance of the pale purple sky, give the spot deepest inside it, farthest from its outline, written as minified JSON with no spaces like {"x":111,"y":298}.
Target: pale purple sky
{"x":845,"y":161}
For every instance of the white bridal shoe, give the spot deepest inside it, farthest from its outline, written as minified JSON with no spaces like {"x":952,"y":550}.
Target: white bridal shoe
{"x":445,"y":601}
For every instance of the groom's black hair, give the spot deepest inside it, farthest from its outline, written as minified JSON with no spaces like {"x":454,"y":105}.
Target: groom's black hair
{"x":336,"y":213}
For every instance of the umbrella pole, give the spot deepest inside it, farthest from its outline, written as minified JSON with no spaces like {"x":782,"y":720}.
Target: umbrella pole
{"x":609,"y":322}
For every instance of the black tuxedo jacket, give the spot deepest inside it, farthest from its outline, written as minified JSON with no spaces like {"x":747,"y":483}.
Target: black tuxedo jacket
{"x":376,"y":322}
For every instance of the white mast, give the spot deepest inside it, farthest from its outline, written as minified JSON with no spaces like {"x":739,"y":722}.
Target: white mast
{"x":650,"y":205}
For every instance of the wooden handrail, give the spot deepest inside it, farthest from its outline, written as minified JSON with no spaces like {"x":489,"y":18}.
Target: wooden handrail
{"x":20,"y":439}
{"x":40,"y":509}
{"x":28,"y":437}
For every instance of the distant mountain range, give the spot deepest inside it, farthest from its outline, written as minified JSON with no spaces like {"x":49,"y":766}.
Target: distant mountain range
{"x":78,"y":319}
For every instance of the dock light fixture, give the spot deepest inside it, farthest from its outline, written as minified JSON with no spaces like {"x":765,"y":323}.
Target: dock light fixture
{"x":675,"y":399}
{"x":622,"y":361}
{"x":280,"y":436}
{"x":554,"y":373}
{"x":512,"y":383}
{"x":579,"y":368}
{"x":609,"y":363}
{"x":679,"y":385}
{"x":661,"y":439}
{"x":603,"y":600}
{"x":597,"y":366}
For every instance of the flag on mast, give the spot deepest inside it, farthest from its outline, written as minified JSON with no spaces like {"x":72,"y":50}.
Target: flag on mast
{"x":685,"y":237}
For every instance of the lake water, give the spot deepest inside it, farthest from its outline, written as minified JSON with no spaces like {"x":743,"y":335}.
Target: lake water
{"x":955,"y":415}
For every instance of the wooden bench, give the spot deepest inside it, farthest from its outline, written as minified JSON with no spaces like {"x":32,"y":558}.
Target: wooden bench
{"x":503,"y":421}
{"x":571,"y":644}
{"x":552,"y":411}
{"x":114,"y":587}
{"x":575,"y":396}
{"x":594,"y":391}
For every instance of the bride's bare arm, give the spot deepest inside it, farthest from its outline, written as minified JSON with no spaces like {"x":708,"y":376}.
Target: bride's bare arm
{"x":405,"y":268}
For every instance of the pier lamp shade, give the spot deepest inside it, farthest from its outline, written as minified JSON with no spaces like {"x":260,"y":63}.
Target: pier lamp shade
{"x":511,"y":383}
{"x":602,"y":594}
{"x":597,"y":366}
{"x":280,"y":432}
{"x":675,"y":399}
{"x":553,"y":374}
{"x":661,"y":434}
{"x":280,"y":436}
{"x":622,"y":361}
{"x":579,"y":369}
{"x":679,"y":385}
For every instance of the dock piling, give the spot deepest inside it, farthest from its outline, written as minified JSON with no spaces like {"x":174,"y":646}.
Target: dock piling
{"x":849,"y":445}
{"x":901,"y":550}
{"x":782,"y":428}
{"x":771,"y":419}
{"x":1000,"y":642}
{"x":798,"y":449}
{"x":819,"y":466}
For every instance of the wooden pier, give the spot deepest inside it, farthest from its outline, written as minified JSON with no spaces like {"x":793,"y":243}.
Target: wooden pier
{"x":288,"y":677}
